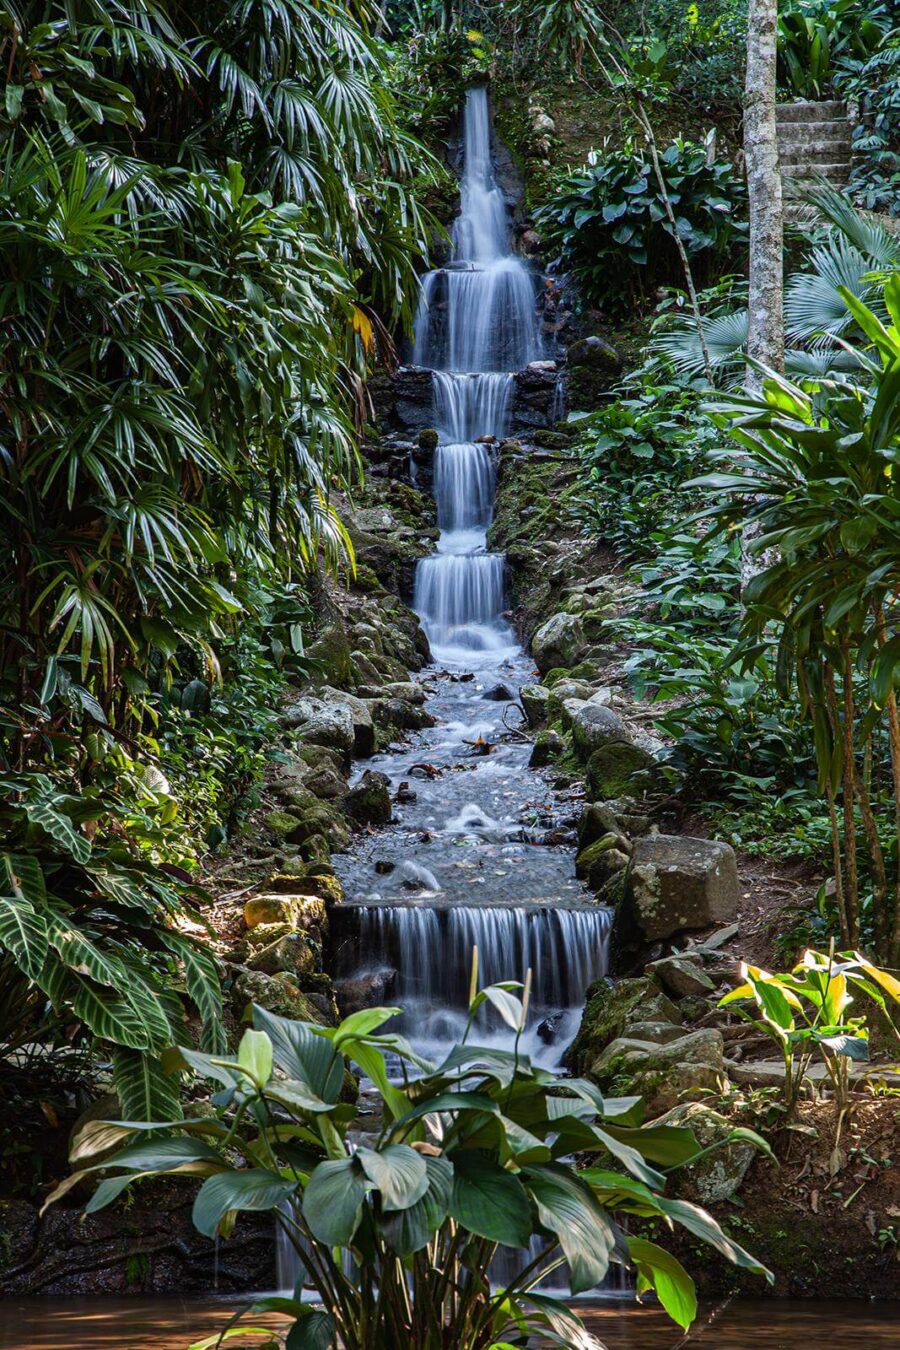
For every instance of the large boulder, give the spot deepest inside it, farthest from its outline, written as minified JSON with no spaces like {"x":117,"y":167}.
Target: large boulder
{"x":360,"y":715}
{"x":560,"y":642}
{"x":321,"y":723}
{"x":594,"y":726}
{"x":535,"y":698}
{"x":329,"y":654}
{"x":717,"y":1175}
{"x":661,"y":1074}
{"x":621,"y":769}
{"x":674,"y":883}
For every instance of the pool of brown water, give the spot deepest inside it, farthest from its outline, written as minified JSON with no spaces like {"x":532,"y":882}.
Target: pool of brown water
{"x":172,"y":1324}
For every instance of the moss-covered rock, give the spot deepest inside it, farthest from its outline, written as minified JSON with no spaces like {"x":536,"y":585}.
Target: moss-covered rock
{"x":548,"y":745}
{"x":535,"y":701}
{"x":279,"y":994}
{"x":282,"y":824}
{"x":608,"y":1011}
{"x":428,"y":439}
{"x":618,"y":769}
{"x":298,"y":911}
{"x":601,"y":860}
{"x":369,"y":801}
{"x":292,"y":953}
{"x":662,"y":1075}
{"x":330,"y":654}
{"x":718,"y":1175}
{"x":558,"y":642}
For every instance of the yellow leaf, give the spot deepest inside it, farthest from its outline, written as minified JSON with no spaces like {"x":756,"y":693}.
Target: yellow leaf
{"x":362,"y":325}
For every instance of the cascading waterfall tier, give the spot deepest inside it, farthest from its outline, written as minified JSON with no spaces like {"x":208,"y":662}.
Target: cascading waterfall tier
{"x":477,"y":323}
{"x":479,"y":313}
{"x":430,"y":948}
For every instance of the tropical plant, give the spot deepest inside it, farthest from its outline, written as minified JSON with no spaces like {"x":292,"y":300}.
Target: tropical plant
{"x":609,"y":219}
{"x":820,"y":327}
{"x":873,"y":84}
{"x":634,"y":453}
{"x":395,"y":1231}
{"x":806,"y":1012}
{"x":92,"y":941}
{"x":813,"y":35}
{"x":815,"y":474}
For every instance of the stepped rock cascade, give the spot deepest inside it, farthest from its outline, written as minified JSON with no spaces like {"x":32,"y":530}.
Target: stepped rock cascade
{"x":467,"y":860}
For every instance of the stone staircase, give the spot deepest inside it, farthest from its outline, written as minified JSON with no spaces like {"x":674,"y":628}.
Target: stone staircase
{"x":813,"y":142}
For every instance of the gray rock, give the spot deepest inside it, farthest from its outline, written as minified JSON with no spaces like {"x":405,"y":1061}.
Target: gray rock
{"x":718,"y":1175}
{"x":320,"y":723}
{"x":681,"y":976}
{"x":594,"y":353}
{"x":659,"y":1033}
{"x":662,"y":1074}
{"x":560,"y":642}
{"x":361,"y":716}
{"x":594,"y":726}
{"x":674,"y":883}
{"x":535,"y":698}
{"x":365,"y":991}
{"x":548,"y":745}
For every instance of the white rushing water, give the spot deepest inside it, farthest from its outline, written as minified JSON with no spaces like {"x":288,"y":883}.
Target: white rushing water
{"x":477,"y":324}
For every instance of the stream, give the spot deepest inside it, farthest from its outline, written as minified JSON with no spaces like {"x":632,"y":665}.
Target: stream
{"x":480,"y":851}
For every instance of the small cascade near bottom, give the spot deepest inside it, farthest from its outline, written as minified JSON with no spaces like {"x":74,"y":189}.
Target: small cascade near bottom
{"x":430,"y":948}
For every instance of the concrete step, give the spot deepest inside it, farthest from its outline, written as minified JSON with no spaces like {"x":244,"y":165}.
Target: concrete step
{"x":819,"y":154}
{"x":835,"y":173}
{"x":815,"y":133}
{"x":825,"y":111}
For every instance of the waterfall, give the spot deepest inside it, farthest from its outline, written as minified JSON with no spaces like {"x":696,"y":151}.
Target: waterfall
{"x":479,"y":313}
{"x":431,"y":950}
{"x":477,"y":323}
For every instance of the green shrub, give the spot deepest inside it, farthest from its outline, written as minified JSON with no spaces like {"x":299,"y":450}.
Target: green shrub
{"x":814,"y":34}
{"x":609,"y":223}
{"x":396,"y":1230}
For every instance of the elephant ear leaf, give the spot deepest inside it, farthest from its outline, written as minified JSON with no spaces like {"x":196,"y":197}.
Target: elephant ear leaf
{"x":659,"y":1270}
{"x":257,"y":1189}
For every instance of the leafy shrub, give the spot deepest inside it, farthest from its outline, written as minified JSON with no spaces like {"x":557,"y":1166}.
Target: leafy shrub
{"x":396,"y":1231}
{"x":609,"y":223}
{"x":91,"y":939}
{"x":705,"y":46}
{"x":874,"y":84}
{"x":635,"y":452}
{"x":805,"y":1011}
{"x":813,"y":35}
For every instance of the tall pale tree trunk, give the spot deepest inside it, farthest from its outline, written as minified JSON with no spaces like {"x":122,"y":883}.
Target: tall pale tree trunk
{"x":766,"y":335}
{"x":765,"y":338}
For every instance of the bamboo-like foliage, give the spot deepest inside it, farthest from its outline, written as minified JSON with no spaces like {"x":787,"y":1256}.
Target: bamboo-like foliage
{"x":199,"y":208}
{"x":208,"y":226}
{"x":816,"y":476}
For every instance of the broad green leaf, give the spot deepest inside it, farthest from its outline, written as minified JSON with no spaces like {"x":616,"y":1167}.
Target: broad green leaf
{"x":255,"y":1056}
{"x":704,"y":1226}
{"x":664,"y":1273}
{"x":398,"y":1172}
{"x":303,"y":1055}
{"x":313,"y":1330}
{"x":570,"y":1210}
{"x":488,"y":1200}
{"x":59,"y":827}
{"x":333,"y":1200}
{"x":409,"y":1230}
{"x":361,"y":1023}
{"x":257,"y":1189}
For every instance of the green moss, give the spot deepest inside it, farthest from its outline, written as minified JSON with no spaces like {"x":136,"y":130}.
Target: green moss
{"x":281,"y":823}
{"x":330,"y":654}
{"x":608,"y":1009}
{"x":619,"y":770}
